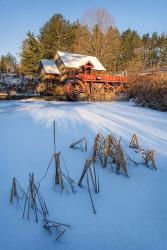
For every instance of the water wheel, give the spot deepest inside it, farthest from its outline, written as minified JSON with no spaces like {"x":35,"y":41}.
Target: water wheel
{"x":73,"y":89}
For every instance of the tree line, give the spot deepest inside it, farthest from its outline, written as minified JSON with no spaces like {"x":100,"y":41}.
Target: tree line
{"x":94,"y":35}
{"x":8,"y":64}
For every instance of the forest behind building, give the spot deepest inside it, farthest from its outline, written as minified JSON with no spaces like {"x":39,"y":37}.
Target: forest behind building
{"x":95,"y":34}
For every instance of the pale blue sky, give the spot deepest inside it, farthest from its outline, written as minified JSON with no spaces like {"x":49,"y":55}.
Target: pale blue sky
{"x":19,"y":16}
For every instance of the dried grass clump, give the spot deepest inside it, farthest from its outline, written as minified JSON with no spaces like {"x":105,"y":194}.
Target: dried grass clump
{"x":108,"y":151}
{"x":149,"y":92}
{"x":34,"y":202}
{"x":90,"y":173}
{"x":147,"y":155}
{"x":59,"y":228}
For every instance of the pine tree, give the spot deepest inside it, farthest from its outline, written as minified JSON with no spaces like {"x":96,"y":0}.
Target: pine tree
{"x":82,"y":39}
{"x":56,"y":34}
{"x":146,"y":43}
{"x":30,"y":55}
{"x":111,"y":50}
{"x":130,"y":48}
{"x":8,"y":63}
{"x":163,"y":49}
{"x":154,"y":50}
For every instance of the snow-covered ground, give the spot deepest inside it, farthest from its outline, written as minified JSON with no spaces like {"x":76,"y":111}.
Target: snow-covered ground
{"x":131,"y":212}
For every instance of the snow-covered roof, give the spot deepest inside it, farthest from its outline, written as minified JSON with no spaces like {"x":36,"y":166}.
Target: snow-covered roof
{"x":50,"y":66}
{"x":76,"y":60}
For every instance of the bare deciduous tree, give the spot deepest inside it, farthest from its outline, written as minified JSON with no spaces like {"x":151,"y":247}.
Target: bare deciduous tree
{"x":99,"y":17}
{"x":97,"y":36}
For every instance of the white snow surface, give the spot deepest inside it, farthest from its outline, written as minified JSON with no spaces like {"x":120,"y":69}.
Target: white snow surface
{"x":50,"y":66}
{"x":131,"y":212}
{"x":77,"y":60}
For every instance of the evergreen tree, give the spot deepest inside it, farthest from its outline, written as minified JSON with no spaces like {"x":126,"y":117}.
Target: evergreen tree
{"x":154,"y":50}
{"x":8,"y":64}
{"x":111,"y":50}
{"x":82,"y":39}
{"x":3,"y":64}
{"x":56,"y":34}
{"x":146,"y":43}
{"x":163,"y":49}
{"x":130,"y":49}
{"x":30,"y":55}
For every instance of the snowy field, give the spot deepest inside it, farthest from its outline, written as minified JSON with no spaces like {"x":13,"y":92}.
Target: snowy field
{"x":131,"y":212}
